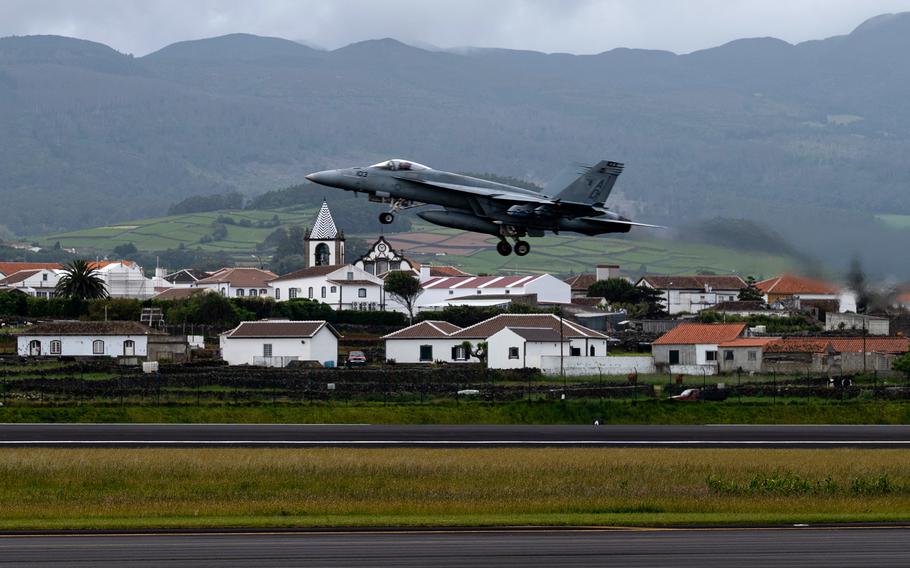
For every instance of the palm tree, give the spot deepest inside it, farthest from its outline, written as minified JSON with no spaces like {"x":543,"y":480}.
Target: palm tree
{"x":81,"y":281}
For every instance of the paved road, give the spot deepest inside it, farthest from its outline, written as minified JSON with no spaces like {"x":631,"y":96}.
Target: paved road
{"x":743,"y":548}
{"x":450,"y":436}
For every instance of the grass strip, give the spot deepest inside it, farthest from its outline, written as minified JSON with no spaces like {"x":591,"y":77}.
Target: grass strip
{"x":477,"y":412}
{"x":169,"y":488}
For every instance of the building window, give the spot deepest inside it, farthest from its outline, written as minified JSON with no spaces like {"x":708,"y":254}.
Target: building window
{"x":370,"y":267}
{"x":253,"y":292}
{"x":361,"y":292}
{"x":56,"y":347}
{"x":710,"y":355}
{"x":44,"y":276}
{"x":574,"y":351}
{"x":426,"y":352}
{"x":513,"y":352}
{"x":98,"y":347}
{"x":292,"y":293}
{"x":263,"y":292}
{"x":451,"y":292}
{"x":459,"y":353}
{"x":728,"y":355}
{"x":332,"y":289}
{"x":277,"y":293}
{"x":266,"y":349}
{"x":753,"y":356}
{"x":129,"y":348}
{"x":310,"y":293}
{"x":349,"y":276}
{"x":239,"y":292}
{"x":322,"y":292}
{"x":396,"y":265}
{"x":224,"y":291}
{"x":674,"y":357}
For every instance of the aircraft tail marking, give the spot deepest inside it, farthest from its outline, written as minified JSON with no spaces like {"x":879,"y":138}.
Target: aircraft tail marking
{"x":594,"y":184}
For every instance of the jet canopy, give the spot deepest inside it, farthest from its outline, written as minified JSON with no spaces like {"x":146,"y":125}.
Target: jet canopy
{"x":395,"y":165}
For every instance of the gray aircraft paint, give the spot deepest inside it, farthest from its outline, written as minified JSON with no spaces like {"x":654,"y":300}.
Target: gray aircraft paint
{"x":484,"y":206}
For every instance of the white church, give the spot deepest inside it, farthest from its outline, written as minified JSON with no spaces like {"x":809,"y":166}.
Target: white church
{"x":326,"y":276}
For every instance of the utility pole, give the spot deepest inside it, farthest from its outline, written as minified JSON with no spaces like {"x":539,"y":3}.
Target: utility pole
{"x":562,"y":347}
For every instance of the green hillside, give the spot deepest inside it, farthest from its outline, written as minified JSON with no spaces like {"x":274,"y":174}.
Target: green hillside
{"x":636,"y":252}
{"x":161,"y":233}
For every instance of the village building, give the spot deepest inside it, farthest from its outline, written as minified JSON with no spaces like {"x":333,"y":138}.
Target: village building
{"x":382,"y":258}
{"x":86,"y":339}
{"x":579,"y":283}
{"x":742,"y":355}
{"x":530,"y":341}
{"x":441,"y":291}
{"x":276,"y":343}
{"x":185,"y":278}
{"x":692,"y":348}
{"x":40,"y":282}
{"x":9,"y":268}
{"x":239,"y":282}
{"x":801,"y":293}
{"x":746,"y":308}
{"x":692,"y":294}
{"x":870,"y":325}
{"x":343,"y":287}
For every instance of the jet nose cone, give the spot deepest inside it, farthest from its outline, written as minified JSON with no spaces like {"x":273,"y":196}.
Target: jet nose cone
{"x":327,"y":177}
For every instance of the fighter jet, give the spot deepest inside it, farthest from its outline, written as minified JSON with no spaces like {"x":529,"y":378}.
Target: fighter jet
{"x":483,"y":206}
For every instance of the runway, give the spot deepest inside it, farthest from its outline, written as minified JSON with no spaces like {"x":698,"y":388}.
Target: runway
{"x":362,"y":435}
{"x":882,"y":547}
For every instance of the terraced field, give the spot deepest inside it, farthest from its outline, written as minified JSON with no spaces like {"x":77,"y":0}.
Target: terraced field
{"x":895,"y":221}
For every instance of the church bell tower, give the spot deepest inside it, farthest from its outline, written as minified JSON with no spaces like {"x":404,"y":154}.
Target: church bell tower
{"x":324,"y":243}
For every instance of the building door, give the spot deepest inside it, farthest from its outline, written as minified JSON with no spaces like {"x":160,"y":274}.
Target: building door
{"x":129,"y":348}
{"x":674,"y":357}
{"x":34,"y":348}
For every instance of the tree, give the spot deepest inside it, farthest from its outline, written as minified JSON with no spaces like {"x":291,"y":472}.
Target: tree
{"x":125,"y":250}
{"x":81,"y":281}
{"x":403,"y":287}
{"x":750,"y":293}
{"x":638,"y":301}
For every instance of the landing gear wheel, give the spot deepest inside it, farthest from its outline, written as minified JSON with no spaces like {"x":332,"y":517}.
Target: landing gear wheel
{"x":522,"y":248}
{"x":386,"y":218}
{"x":504,"y":248}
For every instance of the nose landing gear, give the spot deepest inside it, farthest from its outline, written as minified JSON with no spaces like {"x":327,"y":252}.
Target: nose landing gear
{"x":386,"y":218}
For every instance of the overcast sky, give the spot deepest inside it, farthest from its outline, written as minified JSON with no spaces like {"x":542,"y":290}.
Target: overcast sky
{"x":575,"y":26}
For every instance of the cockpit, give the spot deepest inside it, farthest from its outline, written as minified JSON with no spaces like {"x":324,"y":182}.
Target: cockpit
{"x":396,"y":165}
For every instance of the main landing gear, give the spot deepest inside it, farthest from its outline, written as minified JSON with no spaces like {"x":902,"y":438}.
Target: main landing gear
{"x":521,"y":248}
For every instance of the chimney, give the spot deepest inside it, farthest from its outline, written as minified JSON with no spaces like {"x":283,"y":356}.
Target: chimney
{"x":160,"y":273}
{"x":606,"y":271}
{"x":424,"y":272}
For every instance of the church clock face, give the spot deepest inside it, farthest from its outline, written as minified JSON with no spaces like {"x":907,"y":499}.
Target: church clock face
{"x":381,"y":247}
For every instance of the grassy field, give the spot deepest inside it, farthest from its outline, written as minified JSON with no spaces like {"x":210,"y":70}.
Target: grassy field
{"x":732,"y":411}
{"x":895,"y":221}
{"x":133,"y":488}
{"x":170,"y":232}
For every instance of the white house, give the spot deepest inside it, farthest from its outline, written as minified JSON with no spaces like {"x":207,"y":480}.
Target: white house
{"x":238,"y":282}
{"x":85,"y":339}
{"x":524,"y":347}
{"x":275,"y":343}
{"x":692,"y":348}
{"x":38,"y":282}
{"x":691,"y":294}
{"x":343,"y":287}
{"x":431,"y":341}
{"x":10,"y":268}
{"x":442,"y":291}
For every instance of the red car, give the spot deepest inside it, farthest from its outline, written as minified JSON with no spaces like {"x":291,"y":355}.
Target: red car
{"x":356,"y":359}
{"x":688,"y":395}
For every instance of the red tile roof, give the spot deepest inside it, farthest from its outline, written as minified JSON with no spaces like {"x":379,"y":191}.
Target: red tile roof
{"x":488,"y":327}
{"x":273,"y":328}
{"x":694,"y":282}
{"x":241,"y":277}
{"x":872,"y":344}
{"x":17,"y":277}
{"x":480,"y":281}
{"x":580,"y":281}
{"x":798,"y":345}
{"x":788,"y":284}
{"x":701,"y":334}
{"x":9,"y":268}
{"x":96,"y":264}
{"x":748,"y":342}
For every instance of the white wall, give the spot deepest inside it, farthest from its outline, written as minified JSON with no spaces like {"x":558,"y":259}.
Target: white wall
{"x":242,"y":350}
{"x":588,"y":366}
{"x":345,"y":296}
{"x":697,"y":370}
{"x":408,"y":350}
{"x":701,"y":357}
{"x":548,"y":289}
{"x":82,"y":345}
